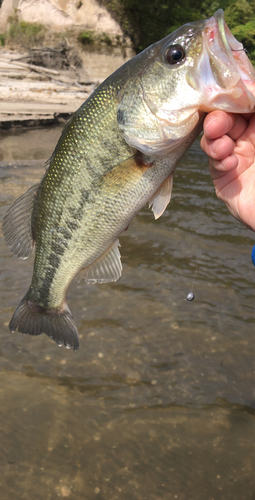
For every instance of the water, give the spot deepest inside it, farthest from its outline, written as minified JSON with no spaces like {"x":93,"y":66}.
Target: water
{"x":158,"y":402}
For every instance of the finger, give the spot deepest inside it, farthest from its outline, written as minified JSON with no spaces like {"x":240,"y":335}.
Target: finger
{"x":249,"y":136}
{"x":218,"y":123}
{"x":238,"y":128}
{"x":220,"y":168}
{"x":247,"y":116}
{"x":218,"y":148}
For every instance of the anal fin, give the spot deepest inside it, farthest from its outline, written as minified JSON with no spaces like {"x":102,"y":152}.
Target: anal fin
{"x":161,"y":198}
{"x":105,"y":269}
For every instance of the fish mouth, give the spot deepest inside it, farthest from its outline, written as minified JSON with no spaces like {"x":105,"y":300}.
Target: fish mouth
{"x":225,"y":68}
{"x":221,"y":36}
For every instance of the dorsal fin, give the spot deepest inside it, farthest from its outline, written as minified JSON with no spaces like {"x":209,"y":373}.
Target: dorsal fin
{"x":105,"y":269}
{"x":161,"y":198}
{"x":17,"y":228}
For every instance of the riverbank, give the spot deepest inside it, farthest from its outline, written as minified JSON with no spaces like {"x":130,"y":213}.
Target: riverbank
{"x":36,"y":95}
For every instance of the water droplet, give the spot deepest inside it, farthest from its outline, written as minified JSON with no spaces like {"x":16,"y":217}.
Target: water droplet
{"x":68,"y":346}
{"x":60,"y":344}
{"x":190,"y":296}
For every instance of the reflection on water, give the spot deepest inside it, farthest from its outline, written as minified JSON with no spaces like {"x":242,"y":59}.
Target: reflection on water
{"x":157,"y":404}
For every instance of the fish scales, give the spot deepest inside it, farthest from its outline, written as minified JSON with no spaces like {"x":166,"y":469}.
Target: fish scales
{"x":68,"y":249}
{"x":59,"y":212}
{"x":117,"y":153}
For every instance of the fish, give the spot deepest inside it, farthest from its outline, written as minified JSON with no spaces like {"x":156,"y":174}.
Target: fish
{"x":117,"y":153}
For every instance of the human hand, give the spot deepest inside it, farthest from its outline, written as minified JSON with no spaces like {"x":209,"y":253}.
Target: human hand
{"x":229,"y":141}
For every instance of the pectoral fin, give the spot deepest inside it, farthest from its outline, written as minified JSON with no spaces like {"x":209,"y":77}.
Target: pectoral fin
{"x":161,"y":198}
{"x":105,"y":269}
{"x":17,"y":228}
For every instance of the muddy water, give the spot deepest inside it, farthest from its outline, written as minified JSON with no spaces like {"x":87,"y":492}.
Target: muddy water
{"x":158,"y":402}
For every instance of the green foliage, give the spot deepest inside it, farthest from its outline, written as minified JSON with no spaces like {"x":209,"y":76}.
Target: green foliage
{"x":86,"y":37}
{"x":95,"y":41}
{"x":2,"y":39}
{"x":237,"y":11}
{"x":89,"y":37}
{"x":208,"y":7}
{"x":104,"y":38}
{"x":246,"y":35}
{"x":22,"y":32}
{"x":145,"y":23}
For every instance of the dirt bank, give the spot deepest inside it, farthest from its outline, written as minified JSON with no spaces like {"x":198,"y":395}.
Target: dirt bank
{"x":60,"y":14}
{"x":32,"y":94}
{"x":48,"y":69}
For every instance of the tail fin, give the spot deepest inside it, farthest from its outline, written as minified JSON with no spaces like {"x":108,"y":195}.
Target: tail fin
{"x":34,"y":320}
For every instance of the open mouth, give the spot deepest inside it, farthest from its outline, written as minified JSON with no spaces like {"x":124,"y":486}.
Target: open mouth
{"x":223,"y":69}
{"x":224,"y":46}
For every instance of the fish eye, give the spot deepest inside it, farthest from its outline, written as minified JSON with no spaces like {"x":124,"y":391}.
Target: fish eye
{"x":174,"y":54}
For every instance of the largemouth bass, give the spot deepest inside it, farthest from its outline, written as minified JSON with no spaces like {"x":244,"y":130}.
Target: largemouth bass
{"x":117,"y":153}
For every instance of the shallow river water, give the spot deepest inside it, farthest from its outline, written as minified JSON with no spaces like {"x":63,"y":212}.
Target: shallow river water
{"x":158,"y":402}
